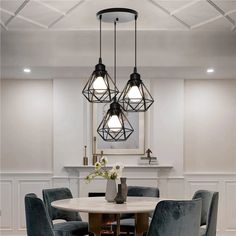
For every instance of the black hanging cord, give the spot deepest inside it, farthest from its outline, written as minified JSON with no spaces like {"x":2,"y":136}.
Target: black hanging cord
{"x":115,"y":51}
{"x":100,"y":39}
{"x":135,"y":45}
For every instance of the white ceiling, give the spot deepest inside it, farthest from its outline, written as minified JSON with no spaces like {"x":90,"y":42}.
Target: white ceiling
{"x":176,"y":38}
{"x":161,"y":54}
{"x":153,"y":14}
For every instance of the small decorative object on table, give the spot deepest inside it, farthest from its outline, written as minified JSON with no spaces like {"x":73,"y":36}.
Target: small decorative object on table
{"x":111,"y":190}
{"x":120,"y":198}
{"x":110,"y":174}
{"x":148,"y":160}
{"x":85,"y":159}
{"x":124,"y":188}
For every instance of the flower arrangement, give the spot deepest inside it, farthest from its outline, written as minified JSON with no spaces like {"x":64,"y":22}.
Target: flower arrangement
{"x":101,"y":170}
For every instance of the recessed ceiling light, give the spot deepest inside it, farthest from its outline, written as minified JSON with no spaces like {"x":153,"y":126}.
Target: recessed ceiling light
{"x":210,"y":70}
{"x":27,"y":70}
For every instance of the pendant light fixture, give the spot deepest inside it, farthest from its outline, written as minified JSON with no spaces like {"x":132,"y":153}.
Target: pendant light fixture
{"x":115,"y":126}
{"x":135,"y":97}
{"x":100,"y":87}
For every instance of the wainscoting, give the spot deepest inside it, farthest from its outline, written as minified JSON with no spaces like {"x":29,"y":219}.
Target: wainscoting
{"x":15,"y":185}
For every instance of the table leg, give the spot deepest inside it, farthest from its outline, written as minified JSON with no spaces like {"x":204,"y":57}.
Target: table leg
{"x":117,"y":224}
{"x":99,"y":220}
{"x":141,"y":223}
{"x":95,"y":223}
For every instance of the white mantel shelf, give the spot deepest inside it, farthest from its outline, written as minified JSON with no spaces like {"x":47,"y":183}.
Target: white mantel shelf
{"x":128,"y":166}
{"x":136,"y":175}
{"x":130,"y":171}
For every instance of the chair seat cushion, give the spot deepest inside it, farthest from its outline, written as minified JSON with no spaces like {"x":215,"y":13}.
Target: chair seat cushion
{"x":202,"y":231}
{"x":127,"y":222}
{"x":71,"y":228}
{"x":127,"y":225}
{"x":130,"y":221}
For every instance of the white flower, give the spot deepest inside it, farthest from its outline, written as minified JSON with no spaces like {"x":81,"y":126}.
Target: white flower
{"x":88,"y":178}
{"x":112,"y":174}
{"x":117,"y":170}
{"x":118,"y":167}
{"x":97,"y":166}
{"x":103,"y":160}
{"x":100,"y":170}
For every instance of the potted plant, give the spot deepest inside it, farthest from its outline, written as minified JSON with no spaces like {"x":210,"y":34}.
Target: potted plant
{"x":111,"y":174}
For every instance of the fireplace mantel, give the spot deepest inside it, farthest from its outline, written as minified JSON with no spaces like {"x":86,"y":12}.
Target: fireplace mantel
{"x":125,"y":167}
{"x":130,"y":171}
{"x":137,"y":175}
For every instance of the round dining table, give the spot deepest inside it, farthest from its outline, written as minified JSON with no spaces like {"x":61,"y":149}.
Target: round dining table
{"x":101,"y":212}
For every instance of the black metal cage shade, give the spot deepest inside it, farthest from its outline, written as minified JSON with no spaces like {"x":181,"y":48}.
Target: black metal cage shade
{"x":135,"y":97}
{"x":100,"y":87}
{"x":115,"y":126}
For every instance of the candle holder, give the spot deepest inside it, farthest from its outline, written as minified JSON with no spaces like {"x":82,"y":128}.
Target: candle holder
{"x":85,"y":159}
{"x":95,"y":155}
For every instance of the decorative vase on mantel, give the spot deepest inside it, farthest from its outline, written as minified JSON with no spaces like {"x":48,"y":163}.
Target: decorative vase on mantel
{"x":111,"y":190}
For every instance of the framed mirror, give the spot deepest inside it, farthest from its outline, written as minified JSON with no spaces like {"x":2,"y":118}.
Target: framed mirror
{"x":133,"y":145}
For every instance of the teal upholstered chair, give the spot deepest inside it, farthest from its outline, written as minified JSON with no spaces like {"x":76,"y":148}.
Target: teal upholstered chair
{"x":139,"y":191}
{"x":38,"y":222}
{"x":176,"y":218}
{"x":74,"y":224}
{"x":209,"y":211}
{"x":127,"y":223}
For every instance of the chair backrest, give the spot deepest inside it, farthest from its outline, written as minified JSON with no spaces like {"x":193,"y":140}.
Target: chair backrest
{"x":54,"y":194}
{"x":38,"y":222}
{"x":139,"y":191}
{"x":176,"y":218}
{"x":209,"y":210}
{"x":96,"y":194}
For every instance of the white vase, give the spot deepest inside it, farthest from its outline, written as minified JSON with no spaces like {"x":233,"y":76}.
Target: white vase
{"x":111,"y":190}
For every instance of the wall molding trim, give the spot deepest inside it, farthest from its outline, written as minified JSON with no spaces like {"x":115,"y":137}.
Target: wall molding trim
{"x":15,"y":185}
{"x":26,"y":174}
{"x":210,"y":174}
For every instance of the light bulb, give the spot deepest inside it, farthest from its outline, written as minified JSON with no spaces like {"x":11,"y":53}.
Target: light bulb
{"x":134,"y":94}
{"x":99,"y":85}
{"x":114,"y":123}
{"x":210,"y":70}
{"x":27,"y":70}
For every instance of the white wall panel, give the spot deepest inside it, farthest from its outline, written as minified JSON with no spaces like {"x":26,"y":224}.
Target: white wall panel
{"x":166,"y":132}
{"x":210,"y":185}
{"x":68,"y":123}
{"x":6,"y":188}
{"x":219,"y":183}
{"x":195,"y":185}
{"x":28,"y":186}
{"x":210,"y":127}
{"x":230,"y":198}
{"x":14,"y":186}
{"x":175,"y":188}
{"x":60,"y":181}
{"x":26,"y":125}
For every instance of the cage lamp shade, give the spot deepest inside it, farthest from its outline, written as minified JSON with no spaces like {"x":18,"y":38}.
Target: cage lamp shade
{"x":115,"y":126}
{"x":100,"y":87}
{"x":135,"y":96}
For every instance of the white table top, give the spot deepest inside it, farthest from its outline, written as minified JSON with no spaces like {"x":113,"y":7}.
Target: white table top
{"x":100,"y":205}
